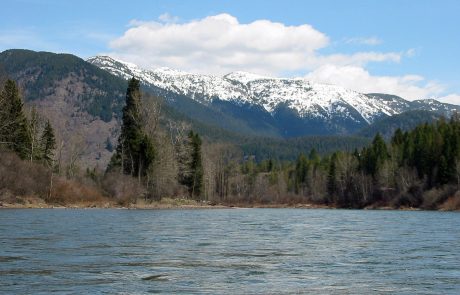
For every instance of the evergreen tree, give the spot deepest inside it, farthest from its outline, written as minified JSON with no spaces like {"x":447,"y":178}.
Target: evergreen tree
{"x":314,"y":156}
{"x":301,"y":170}
{"x":196,"y":166}
{"x":270,"y":165}
{"x":135,"y":151}
{"x":331,"y":178}
{"x":14,"y":125}
{"x":48,"y":145}
{"x":373,"y":157}
{"x":379,"y":148}
{"x":398,"y":137}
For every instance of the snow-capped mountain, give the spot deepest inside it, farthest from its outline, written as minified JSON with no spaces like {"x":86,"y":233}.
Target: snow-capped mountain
{"x":312,"y":107}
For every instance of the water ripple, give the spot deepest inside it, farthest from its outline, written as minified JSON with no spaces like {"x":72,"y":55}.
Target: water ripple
{"x":258,"y":251}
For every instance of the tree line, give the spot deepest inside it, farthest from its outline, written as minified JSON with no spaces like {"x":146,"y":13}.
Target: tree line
{"x":418,"y":168}
{"x":157,"y":157}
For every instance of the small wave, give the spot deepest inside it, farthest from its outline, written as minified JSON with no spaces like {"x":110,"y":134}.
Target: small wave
{"x":11,"y":258}
{"x":159,"y":277}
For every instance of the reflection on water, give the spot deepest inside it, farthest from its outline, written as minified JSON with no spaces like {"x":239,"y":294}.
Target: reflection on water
{"x":257,"y":251}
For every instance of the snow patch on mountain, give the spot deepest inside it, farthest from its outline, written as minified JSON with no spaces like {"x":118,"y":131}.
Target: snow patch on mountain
{"x":308,"y":99}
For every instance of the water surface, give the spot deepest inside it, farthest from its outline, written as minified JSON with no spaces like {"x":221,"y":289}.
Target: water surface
{"x":247,"y":251}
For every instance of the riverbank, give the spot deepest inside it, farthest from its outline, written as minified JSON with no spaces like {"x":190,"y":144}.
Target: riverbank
{"x":180,"y":203}
{"x":166,"y":203}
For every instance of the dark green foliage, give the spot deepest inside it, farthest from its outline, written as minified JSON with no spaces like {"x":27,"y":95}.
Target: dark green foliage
{"x":13,"y":123}
{"x":313,"y":155}
{"x":195,"y":180}
{"x":289,"y":149}
{"x":433,"y":150}
{"x":331,"y":177}
{"x":135,"y":151}
{"x":47,"y":145}
{"x":373,"y":157}
{"x":417,"y":168}
{"x":301,"y":170}
{"x":405,"y":121}
{"x":398,"y":137}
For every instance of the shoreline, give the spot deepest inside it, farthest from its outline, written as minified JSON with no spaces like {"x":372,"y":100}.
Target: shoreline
{"x":163,"y":206}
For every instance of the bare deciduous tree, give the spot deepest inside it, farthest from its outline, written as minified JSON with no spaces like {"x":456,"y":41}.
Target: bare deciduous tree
{"x":162,"y":174}
{"x":36,"y":126}
{"x":76,"y":147}
{"x":151,"y":114}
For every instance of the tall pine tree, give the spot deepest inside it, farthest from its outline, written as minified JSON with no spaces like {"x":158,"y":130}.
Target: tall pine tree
{"x":13,"y":123}
{"x":135,"y":151}
{"x":301,"y":170}
{"x":196,"y":166}
{"x":47,"y":145}
{"x":331,"y":178}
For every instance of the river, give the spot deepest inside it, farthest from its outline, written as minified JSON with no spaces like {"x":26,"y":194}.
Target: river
{"x":229,"y":251}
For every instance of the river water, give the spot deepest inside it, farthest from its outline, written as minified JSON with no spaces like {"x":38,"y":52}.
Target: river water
{"x":234,"y":251}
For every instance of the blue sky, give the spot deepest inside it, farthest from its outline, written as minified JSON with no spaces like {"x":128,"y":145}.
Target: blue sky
{"x":408,"y":48}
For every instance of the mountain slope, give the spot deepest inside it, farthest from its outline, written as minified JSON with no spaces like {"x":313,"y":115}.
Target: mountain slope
{"x":405,"y":121}
{"x":80,"y":100}
{"x":270,"y":106}
{"x":401,"y":105}
{"x":66,"y":90}
{"x":84,"y":103}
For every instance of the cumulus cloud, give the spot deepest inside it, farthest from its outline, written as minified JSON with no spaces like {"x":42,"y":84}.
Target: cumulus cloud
{"x":357,"y":78}
{"x":220,"y":44}
{"x":451,"y":98}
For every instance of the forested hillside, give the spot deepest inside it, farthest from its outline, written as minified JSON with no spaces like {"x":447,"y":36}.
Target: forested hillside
{"x":86,"y":103}
{"x":79,"y":98}
{"x":405,"y":121}
{"x":44,"y":74}
{"x":414,"y":169}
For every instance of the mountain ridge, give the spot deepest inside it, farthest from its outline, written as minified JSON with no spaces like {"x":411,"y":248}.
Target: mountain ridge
{"x":85,"y":101}
{"x":297,"y":106}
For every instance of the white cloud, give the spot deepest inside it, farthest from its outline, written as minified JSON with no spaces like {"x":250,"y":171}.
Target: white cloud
{"x":371,"y":41}
{"x":220,"y":44}
{"x":451,"y":98}
{"x":168,"y":18}
{"x":357,"y":59}
{"x":357,"y":78}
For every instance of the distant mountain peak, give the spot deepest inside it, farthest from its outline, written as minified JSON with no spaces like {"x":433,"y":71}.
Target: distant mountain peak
{"x":307,"y":99}
{"x":105,"y":59}
{"x":245,"y":77}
